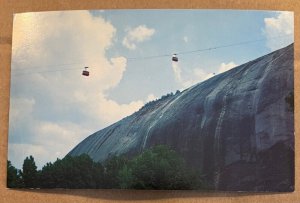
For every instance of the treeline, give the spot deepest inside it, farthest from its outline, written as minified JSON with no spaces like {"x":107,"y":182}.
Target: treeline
{"x":164,"y":97}
{"x":156,"y":168}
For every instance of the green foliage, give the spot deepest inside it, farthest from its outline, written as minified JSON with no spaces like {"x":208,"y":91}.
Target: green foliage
{"x":112,"y":167}
{"x":126,"y":179}
{"x":29,"y":173}
{"x":156,"y":168}
{"x":72,"y":172}
{"x":13,"y":176}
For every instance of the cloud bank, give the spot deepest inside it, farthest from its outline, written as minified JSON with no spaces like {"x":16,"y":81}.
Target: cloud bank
{"x":51,"y":112}
{"x":279,"y":30}
{"x":189,"y":78}
{"x":137,"y":35}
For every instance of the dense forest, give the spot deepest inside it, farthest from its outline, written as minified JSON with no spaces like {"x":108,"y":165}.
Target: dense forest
{"x":156,"y":168}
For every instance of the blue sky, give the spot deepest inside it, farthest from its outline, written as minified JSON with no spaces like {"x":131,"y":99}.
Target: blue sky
{"x":179,"y":31}
{"x":53,"y":107}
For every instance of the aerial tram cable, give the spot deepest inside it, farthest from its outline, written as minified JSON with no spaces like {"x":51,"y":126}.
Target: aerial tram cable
{"x":46,"y":71}
{"x":206,"y":49}
{"x":174,"y":57}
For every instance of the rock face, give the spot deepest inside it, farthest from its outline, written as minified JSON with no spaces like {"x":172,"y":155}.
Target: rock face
{"x":230,"y":127}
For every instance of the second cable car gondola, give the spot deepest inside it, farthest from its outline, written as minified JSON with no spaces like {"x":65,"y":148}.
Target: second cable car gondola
{"x":85,"y":72}
{"x":175,"y":58}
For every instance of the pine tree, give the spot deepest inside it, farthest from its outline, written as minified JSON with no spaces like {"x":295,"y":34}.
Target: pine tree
{"x":13,"y":176}
{"x":29,"y":173}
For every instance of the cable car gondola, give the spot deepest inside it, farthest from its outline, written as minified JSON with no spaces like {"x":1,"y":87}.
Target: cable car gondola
{"x":85,"y":72}
{"x":175,"y":58}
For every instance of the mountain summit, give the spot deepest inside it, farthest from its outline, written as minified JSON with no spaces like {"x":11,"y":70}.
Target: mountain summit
{"x":236,"y":128}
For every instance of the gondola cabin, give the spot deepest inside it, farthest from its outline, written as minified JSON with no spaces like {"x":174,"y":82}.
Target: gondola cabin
{"x":85,"y":72}
{"x":175,"y":58}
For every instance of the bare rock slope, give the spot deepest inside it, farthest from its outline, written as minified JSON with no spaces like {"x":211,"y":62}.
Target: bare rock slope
{"x":231,"y":127}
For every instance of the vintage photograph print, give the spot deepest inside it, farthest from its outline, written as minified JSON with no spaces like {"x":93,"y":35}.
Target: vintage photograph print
{"x":152,"y":99}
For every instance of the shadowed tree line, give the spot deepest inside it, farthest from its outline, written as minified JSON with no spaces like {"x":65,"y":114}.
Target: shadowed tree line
{"x":156,"y":168}
{"x":162,"y":98}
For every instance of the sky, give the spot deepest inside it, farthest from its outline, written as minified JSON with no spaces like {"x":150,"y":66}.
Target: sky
{"x":53,"y":107}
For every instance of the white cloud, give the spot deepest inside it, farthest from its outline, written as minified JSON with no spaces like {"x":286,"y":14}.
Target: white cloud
{"x":279,"y":30}
{"x":110,"y":111}
{"x":200,"y":74}
{"x":53,"y":141}
{"x":130,"y":45}
{"x":185,"y":39}
{"x":197,"y":74}
{"x":151,"y":97}
{"x":177,"y":71}
{"x":225,"y":67}
{"x":61,"y":108}
{"x":17,"y":153}
{"x":137,"y":35}
{"x":23,"y":108}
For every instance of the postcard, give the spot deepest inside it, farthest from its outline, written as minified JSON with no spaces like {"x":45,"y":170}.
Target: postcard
{"x":152,"y":99}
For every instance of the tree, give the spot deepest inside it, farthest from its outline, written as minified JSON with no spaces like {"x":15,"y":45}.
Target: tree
{"x":157,"y":168}
{"x":72,"y":172}
{"x":29,"y":173}
{"x":111,"y":171}
{"x":98,"y":175}
{"x":13,"y":176}
{"x":126,"y":178}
